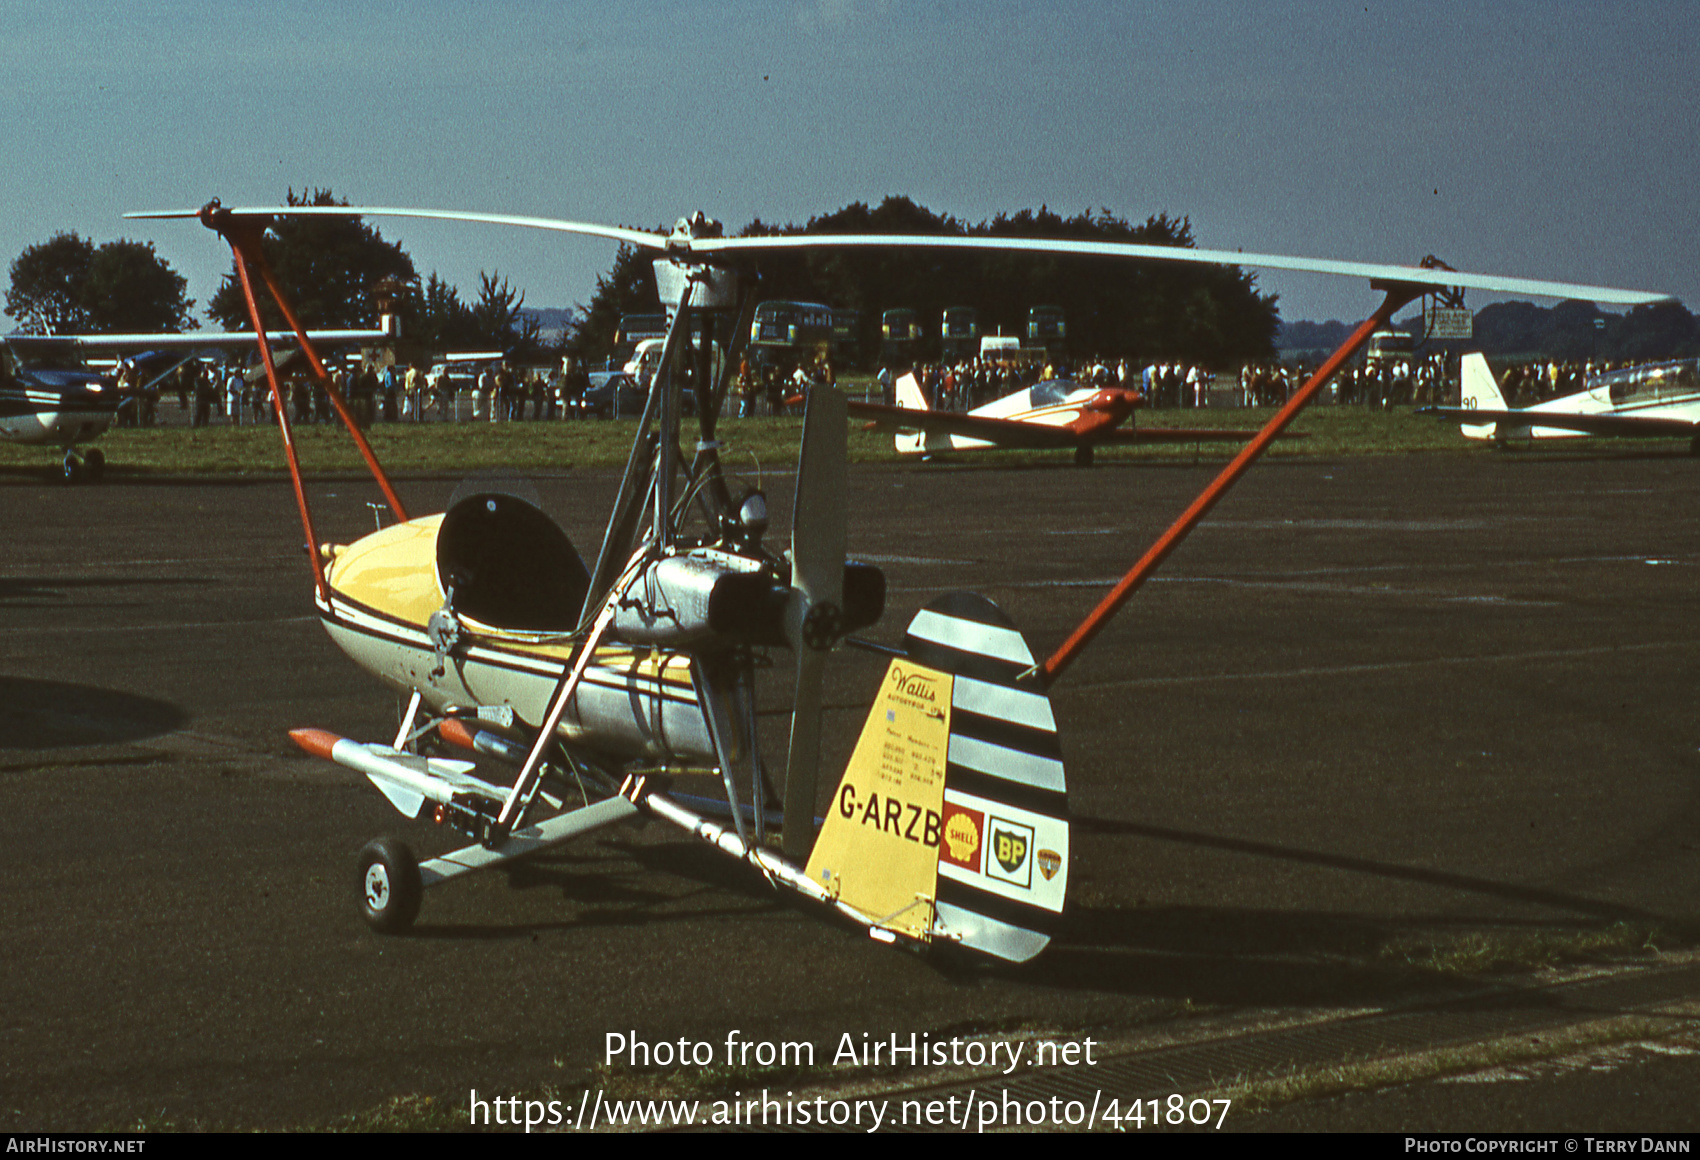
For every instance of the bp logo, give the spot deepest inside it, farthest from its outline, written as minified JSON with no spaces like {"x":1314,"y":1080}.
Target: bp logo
{"x":1011,"y":850}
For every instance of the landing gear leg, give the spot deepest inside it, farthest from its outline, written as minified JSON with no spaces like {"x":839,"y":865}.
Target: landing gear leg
{"x":1083,"y":455}
{"x":78,"y":468}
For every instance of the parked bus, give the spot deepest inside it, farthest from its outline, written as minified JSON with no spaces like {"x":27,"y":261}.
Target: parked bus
{"x":1389,"y":346}
{"x":801,"y":325}
{"x":900,"y":330}
{"x":847,"y":337}
{"x":1047,"y":327}
{"x":790,"y":334}
{"x":633,"y":329}
{"x":959,"y":332}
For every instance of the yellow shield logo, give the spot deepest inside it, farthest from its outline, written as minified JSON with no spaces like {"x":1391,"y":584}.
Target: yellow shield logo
{"x":1011,"y":850}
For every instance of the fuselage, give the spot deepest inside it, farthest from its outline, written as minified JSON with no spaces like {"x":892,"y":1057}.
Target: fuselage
{"x":48,"y":397}
{"x":1062,"y":403}
{"x":381,"y":594}
{"x":1664,"y":393}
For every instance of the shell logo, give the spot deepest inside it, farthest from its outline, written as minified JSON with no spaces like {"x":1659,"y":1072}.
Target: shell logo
{"x":961,"y":845}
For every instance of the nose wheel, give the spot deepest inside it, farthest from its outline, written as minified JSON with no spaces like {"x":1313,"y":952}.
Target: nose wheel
{"x":390,"y":886}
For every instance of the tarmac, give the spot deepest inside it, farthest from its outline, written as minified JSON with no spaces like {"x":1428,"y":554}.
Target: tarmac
{"x":1377,"y":716}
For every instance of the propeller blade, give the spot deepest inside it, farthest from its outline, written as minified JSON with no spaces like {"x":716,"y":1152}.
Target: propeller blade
{"x":814,"y":619}
{"x":817,"y":514}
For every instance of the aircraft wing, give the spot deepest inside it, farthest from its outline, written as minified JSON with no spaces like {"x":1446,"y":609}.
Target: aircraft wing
{"x":1003,"y":432}
{"x":1179,"y":435}
{"x":199,"y":339}
{"x":1018,"y":434}
{"x":1598,"y":424}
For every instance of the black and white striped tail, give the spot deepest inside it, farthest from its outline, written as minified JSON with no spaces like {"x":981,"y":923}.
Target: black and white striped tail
{"x":1003,"y":854}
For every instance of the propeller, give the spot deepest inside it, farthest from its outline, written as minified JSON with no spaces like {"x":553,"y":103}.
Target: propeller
{"x":814,"y":617}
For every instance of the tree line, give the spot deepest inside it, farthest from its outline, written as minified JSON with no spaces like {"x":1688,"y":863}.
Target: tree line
{"x":1114,"y":307}
{"x":1569,"y":331}
{"x":340,"y":273}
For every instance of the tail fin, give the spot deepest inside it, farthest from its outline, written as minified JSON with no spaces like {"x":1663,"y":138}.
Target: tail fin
{"x":951,"y":820}
{"x":1478,"y":388}
{"x":909,"y":394}
{"x":910,"y":398}
{"x":1478,"y":391}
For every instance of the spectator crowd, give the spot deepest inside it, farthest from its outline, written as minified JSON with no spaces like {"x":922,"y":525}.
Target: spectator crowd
{"x":498,"y":391}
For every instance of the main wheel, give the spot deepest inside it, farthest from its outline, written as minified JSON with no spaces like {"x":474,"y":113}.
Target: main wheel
{"x":95,"y":461}
{"x":390,"y":886}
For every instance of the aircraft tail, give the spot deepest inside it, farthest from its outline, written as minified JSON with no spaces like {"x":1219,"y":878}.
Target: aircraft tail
{"x":910,"y":398}
{"x":1479,"y":391}
{"x":1478,"y":388}
{"x":951,"y":820}
{"x":909,"y":394}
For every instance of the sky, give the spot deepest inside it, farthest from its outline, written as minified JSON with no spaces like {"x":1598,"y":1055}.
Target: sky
{"x":1542,"y":139}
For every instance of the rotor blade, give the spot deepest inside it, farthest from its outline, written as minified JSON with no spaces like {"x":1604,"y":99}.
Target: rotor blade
{"x":643,"y":239}
{"x":1410,"y":275}
{"x":708,"y":247}
{"x":813,"y":619}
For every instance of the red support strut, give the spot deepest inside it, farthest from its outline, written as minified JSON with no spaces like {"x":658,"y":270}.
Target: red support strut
{"x":1058,"y":662}
{"x":281,"y":409}
{"x":244,"y":239}
{"x":335,"y":395}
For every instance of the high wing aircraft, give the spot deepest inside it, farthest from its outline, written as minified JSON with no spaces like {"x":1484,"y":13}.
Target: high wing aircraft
{"x":1053,"y":413}
{"x":51,"y":396}
{"x":1659,"y":400}
{"x":607,"y":691}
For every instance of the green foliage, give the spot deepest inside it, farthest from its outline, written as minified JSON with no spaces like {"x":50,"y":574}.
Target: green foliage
{"x":46,"y":293}
{"x":329,"y":267}
{"x":131,"y":290}
{"x":66,"y":285}
{"x":501,"y":322}
{"x":438,"y":320}
{"x":1580,"y":331}
{"x":627,"y":288}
